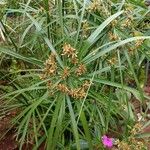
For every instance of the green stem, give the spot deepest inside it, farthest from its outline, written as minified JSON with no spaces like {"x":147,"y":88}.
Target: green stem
{"x":7,"y":35}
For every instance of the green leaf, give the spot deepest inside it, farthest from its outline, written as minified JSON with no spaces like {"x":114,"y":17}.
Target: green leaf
{"x":93,"y":37}
{"x":86,"y":128}
{"x":135,"y":92}
{"x":53,"y":125}
{"x":16,"y":55}
{"x":93,"y":56}
{"x":74,"y":123}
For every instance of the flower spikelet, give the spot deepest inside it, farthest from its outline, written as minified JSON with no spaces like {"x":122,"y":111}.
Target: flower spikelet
{"x":68,"y":50}
{"x":81,"y":69}
{"x":77,"y":93}
{"x":86,"y":85}
{"x":65,"y":73}
{"x":63,"y":88}
{"x":50,"y":67}
{"x":94,"y":6}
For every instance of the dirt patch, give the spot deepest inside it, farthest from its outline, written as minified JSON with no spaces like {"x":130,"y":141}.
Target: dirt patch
{"x":8,"y":142}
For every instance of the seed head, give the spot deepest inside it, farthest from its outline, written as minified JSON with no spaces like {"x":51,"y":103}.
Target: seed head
{"x":123,"y":145}
{"x":65,"y":73}
{"x":74,"y":60}
{"x":68,"y":50}
{"x":50,"y":67}
{"x":86,"y":85}
{"x":138,"y":43}
{"x":112,"y":36}
{"x":112,"y":61}
{"x":63,"y":88}
{"x":136,"y":129}
{"x":81,"y":69}
{"x":94,"y":6}
{"x":77,"y":93}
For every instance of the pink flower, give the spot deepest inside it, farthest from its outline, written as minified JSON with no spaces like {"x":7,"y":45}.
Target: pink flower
{"x":108,"y":142}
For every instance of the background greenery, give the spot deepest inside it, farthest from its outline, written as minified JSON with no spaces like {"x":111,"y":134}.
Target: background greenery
{"x":110,"y":39}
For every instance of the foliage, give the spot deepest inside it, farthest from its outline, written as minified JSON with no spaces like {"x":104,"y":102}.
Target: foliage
{"x":70,"y":68}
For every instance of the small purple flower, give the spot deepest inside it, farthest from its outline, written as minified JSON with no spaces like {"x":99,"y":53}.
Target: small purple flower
{"x":108,"y":142}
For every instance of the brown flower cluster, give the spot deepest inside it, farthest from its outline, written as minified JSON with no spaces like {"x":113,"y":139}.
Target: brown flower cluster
{"x":131,"y":50}
{"x":81,"y":69}
{"x":136,"y":129}
{"x":113,"y":37}
{"x":114,"y":23}
{"x":129,"y":9}
{"x":127,"y":22}
{"x":63,"y":88}
{"x":77,"y":93}
{"x":99,"y":6}
{"x":112,"y":61}
{"x":94,"y":6}
{"x":66,"y":73}
{"x":50,"y":67}
{"x":132,"y":143}
{"x":123,"y":145}
{"x":85,"y":28}
{"x":136,"y":144}
{"x":53,"y":73}
{"x":70,"y":52}
{"x":138,"y":43}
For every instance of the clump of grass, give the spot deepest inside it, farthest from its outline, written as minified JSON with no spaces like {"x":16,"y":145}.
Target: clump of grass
{"x":76,"y":62}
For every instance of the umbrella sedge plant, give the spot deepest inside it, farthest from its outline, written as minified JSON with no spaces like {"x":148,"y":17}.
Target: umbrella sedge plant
{"x":73,"y":68}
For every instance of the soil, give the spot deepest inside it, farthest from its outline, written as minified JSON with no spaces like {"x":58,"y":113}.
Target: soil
{"x":8,"y":141}
{"x":8,"y":137}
